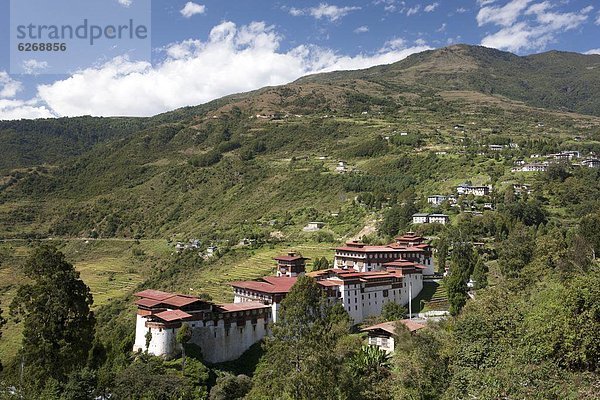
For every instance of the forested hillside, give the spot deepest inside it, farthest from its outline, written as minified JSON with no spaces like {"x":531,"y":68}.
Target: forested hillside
{"x":97,"y":205}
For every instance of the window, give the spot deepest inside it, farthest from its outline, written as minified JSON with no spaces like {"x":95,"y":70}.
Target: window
{"x":385,"y":293}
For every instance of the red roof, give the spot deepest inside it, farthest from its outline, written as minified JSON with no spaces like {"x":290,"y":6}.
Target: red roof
{"x":146,"y":302}
{"x":180,"y":300}
{"x":268,"y":284}
{"x":399,"y":263}
{"x":328,"y":282}
{"x":390,"y":327}
{"x":289,"y":258}
{"x":172,"y":315}
{"x":243,"y":306}
{"x":368,"y":249}
{"x":154,"y":294}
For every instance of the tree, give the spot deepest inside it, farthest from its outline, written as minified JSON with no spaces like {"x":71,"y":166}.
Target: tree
{"x":148,"y":337}
{"x":516,"y":251}
{"x":442,"y":254}
{"x":393,"y":311}
{"x":480,"y":274}
{"x":588,"y":229}
{"x":320,"y":264}
{"x":462,"y":264}
{"x":184,"y":334}
{"x":295,"y":365}
{"x":58,"y":325}
{"x":230,"y":387}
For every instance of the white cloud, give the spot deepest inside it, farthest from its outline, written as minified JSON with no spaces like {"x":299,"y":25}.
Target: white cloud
{"x":125,"y":3}
{"x":390,"y":5}
{"x":362,"y":29}
{"x":394,"y":44}
{"x":598,"y":19}
{"x":505,"y":15}
{"x":20,"y":109}
{"x":461,"y":10}
{"x":431,"y":7}
{"x":526,"y":27}
{"x":233,"y":59}
{"x":413,"y":10}
{"x":8,"y":86}
{"x":593,"y":51}
{"x":324,"y":11}
{"x":33,"y":66}
{"x":296,"y":12}
{"x":190,"y":9}
{"x":442,"y":27}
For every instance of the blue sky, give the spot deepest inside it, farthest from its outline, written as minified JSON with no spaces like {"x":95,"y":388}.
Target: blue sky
{"x":203,"y":50}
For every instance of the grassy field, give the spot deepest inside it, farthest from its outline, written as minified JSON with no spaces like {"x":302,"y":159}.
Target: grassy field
{"x":215,"y":279}
{"x":108,"y":267}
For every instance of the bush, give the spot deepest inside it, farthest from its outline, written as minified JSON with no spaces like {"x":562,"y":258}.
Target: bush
{"x":206,"y":159}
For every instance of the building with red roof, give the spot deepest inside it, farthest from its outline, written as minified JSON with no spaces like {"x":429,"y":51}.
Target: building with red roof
{"x":292,"y":264}
{"x":222,"y":331}
{"x":364,"y":258}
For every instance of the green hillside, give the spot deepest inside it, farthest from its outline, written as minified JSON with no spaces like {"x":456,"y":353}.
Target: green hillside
{"x":247,"y":172}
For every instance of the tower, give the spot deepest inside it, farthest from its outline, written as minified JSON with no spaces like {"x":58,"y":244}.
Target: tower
{"x":291,"y":265}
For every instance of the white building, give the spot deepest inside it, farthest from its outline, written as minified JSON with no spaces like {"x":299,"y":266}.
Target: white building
{"x":383,"y":335}
{"x":365,"y":258}
{"x":437,"y":199}
{"x":478,"y":191}
{"x":591,"y":163}
{"x":439,"y":219}
{"x":423,"y":218}
{"x":420,"y":218}
{"x":313,"y":226}
{"x":223,"y":332}
{"x":533,"y":167}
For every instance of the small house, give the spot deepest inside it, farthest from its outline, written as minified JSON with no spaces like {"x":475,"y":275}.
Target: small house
{"x":420,"y":218}
{"x":313,"y":226}
{"x":382,"y":335}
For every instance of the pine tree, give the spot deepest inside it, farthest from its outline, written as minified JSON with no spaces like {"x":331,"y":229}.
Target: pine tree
{"x":298,"y":363}
{"x":58,"y":325}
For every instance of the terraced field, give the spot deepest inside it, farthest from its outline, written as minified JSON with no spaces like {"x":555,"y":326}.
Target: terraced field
{"x":215,"y":279}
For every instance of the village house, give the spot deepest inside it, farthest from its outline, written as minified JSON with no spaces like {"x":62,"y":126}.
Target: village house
{"x":341,"y":167}
{"x":478,"y":191}
{"x":313,"y":226}
{"x":424,"y":218}
{"x":420,"y":218}
{"x":565,"y":155}
{"x":436,"y":200}
{"x":439,"y":219}
{"x":591,"y":163}
{"x":533,"y":167}
{"x":383,"y":335}
{"x":496,"y":147}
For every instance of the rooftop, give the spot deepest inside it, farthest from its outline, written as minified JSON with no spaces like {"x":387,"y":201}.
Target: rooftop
{"x":244,"y":306}
{"x":390,"y":327}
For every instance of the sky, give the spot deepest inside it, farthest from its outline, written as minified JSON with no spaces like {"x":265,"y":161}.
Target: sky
{"x":203,"y":50}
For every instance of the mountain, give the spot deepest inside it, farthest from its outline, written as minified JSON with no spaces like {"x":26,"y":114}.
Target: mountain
{"x":228,"y":167}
